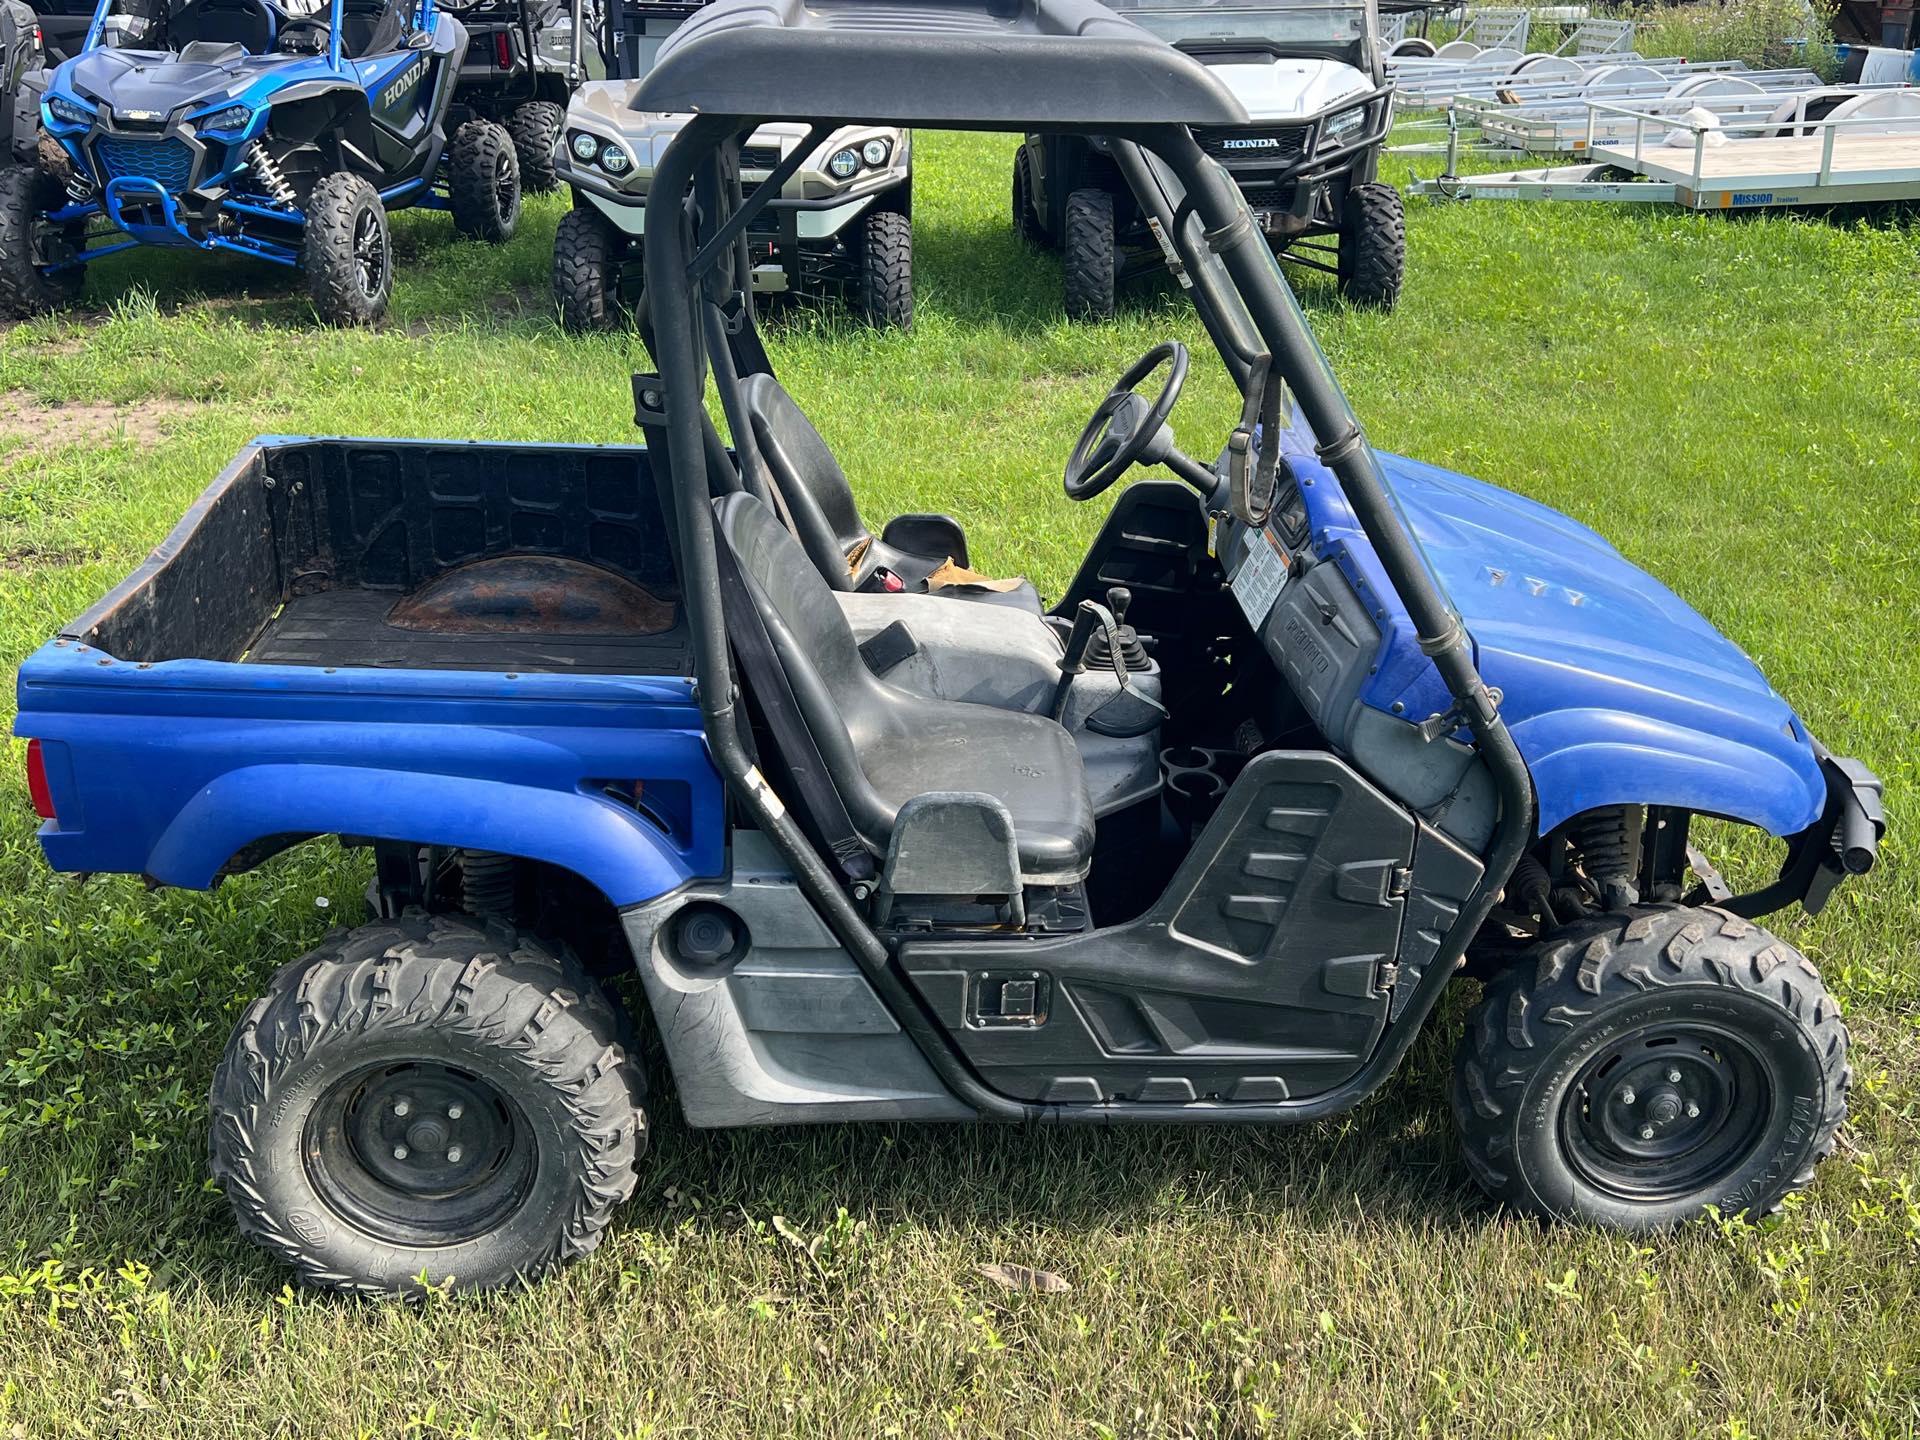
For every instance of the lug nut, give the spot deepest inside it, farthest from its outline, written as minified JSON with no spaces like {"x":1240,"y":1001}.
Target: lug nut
{"x":456,"y":1110}
{"x":1673,"y":1077}
{"x":399,"y":1152}
{"x":403,"y":1107}
{"x":453,"y":1155}
{"x":1693,"y":1109}
{"x":1627,"y":1097}
{"x":1646,"y":1132}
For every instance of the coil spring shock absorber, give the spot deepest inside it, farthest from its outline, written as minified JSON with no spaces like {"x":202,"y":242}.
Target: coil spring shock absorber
{"x":487,"y":883}
{"x":1609,"y":845}
{"x":267,"y":171}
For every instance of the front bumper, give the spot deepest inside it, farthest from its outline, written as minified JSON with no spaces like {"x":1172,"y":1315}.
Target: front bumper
{"x":792,"y":244}
{"x":1284,"y":190}
{"x":1843,"y":842}
{"x":166,"y":186}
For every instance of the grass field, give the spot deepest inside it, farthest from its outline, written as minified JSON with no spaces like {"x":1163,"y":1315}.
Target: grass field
{"x":1734,"y":402}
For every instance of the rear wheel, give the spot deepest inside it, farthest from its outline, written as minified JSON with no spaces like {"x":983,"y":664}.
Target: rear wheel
{"x":1090,"y":261}
{"x":1647,"y":1064}
{"x":885,"y":295}
{"x":588,"y":257}
{"x":347,"y":252}
{"x":1373,"y":246}
{"x":29,"y":245}
{"x":535,"y":128}
{"x":1026,"y":220}
{"x":427,"y":1096}
{"x":483,"y":182}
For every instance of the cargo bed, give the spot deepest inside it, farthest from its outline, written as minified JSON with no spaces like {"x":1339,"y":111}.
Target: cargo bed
{"x":463,"y":645}
{"x":411,"y":555}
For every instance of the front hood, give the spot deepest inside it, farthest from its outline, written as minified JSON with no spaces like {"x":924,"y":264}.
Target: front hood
{"x":1287,"y":88}
{"x":1529,"y":579}
{"x":143,"y":83}
{"x":1615,"y":689}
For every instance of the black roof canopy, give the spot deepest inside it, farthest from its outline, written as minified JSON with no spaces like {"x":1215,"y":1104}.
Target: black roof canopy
{"x":964,"y":64}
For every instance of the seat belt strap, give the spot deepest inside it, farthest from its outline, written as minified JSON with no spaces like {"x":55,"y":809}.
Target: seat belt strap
{"x":763,"y":666}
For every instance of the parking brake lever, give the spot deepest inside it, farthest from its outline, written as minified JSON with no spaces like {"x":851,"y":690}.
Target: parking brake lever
{"x":1088,"y":619}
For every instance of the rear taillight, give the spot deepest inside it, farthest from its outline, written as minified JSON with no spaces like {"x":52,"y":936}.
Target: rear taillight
{"x":37,"y":786}
{"x":502,"y":50}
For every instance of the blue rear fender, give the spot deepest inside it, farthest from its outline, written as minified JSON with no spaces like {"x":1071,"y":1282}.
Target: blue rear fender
{"x":173,"y":769}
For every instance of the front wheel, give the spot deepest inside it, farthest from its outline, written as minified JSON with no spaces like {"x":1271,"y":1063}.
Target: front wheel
{"x":427,"y":1097}
{"x":30,"y":247}
{"x":885,"y":295}
{"x":1373,"y":246}
{"x":1646,"y":1064}
{"x":588,"y":257}
{"x":347,"y":251}
{"x":483,"y":182}
{"x":535,"y":128}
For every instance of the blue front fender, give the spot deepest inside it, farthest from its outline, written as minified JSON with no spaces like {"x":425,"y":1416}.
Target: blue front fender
{"x":1584,"y":759}
{"x":625,"y":857}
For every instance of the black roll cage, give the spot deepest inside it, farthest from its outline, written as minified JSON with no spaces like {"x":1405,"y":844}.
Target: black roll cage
{"x":695,"y":235}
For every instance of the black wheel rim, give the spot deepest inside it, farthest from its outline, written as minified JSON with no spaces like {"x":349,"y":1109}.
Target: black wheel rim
{"x":503,"y":186}
{"x":369,"y":254}
{"x":1666,"y":1112}
{"x":418,"y":1153}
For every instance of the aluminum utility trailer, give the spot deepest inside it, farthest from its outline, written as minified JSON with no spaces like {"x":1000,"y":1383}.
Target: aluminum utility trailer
{"x":1415,"y":56}
{"x":1560,"y":124}
{"x":1538,"y":75}
{"x":1834,"y":161}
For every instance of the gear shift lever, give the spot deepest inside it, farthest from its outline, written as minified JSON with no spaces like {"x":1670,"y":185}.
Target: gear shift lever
{"x":1132,"y":652}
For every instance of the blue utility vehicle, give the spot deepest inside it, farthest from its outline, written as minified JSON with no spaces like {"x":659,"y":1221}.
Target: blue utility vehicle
{"x":1313,"y":731}
{"x":257,"y":128}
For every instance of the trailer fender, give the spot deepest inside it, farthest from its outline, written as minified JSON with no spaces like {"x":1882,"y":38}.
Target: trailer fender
{"x":629,"y":859}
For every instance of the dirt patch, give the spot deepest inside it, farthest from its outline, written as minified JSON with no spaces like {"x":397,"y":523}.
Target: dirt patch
{"x":20,"y":558}
{"x":82,"y":422}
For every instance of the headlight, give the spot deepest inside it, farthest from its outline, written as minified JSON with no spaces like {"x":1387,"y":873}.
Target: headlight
{"x":234,"y":117}
{"x":614,"y":160}
{"x":585,"y":147}
{"x":67,"y":112}
{"x":875,"y":152}
{"x":844,"y":165}
{"x":1342,"y":127}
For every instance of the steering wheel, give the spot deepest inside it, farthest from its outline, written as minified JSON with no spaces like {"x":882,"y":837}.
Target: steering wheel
{"x":1126,"y":429}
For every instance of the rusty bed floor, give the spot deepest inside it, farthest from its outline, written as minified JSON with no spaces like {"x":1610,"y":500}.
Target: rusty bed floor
{"x":354,"y":628}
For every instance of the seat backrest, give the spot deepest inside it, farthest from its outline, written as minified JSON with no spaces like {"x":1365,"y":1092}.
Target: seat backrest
{"x":222,"y":23}
{"x":814,"y":487}
{"x":840,"y":701}
{"x":371,"y":27}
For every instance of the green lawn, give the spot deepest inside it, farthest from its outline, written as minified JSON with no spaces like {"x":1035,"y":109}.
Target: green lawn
{"x":1734,"y":402}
